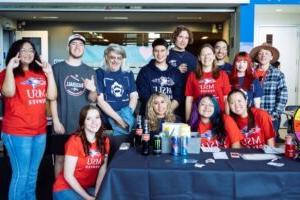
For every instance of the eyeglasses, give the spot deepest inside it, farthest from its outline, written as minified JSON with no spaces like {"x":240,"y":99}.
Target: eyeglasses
{"x":29,"y":51}
{"x":119,"y":58}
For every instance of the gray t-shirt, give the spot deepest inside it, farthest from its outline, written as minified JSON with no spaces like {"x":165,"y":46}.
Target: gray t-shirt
{"x":72,"y":95}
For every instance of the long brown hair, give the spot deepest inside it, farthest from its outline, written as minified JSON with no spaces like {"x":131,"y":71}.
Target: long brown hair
{"x":15,"y":49}
{"x":100,"y":137}
{"x":199,"y":70}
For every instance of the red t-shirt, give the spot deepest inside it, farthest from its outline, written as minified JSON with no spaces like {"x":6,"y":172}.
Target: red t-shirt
{"x":206,"y":137}
{"x":254,"y":138}
{"x":25,"y":112}
{"x":87,"y":167}
{"x":219,"y":87}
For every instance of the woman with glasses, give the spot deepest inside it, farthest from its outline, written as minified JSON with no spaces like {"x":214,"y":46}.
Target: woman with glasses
{"x":26,"y":84}
{"x":206,"y":119}
{"x":206,"y":79}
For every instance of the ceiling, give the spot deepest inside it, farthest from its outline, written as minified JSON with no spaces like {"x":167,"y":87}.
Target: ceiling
{"x":97,"y":12}
{"x":106,"y":16}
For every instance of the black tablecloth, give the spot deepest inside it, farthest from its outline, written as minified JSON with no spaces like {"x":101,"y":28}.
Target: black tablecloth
{"x":133,"y":176}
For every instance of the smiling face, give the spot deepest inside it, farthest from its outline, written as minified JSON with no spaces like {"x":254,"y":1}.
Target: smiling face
{"x":92,"y":122}
{"x":241,"y":65}
{"x":221,"y":50}
{"x":264,"y":56}
{"x":26,"y":54}
{"x":206,"y":107}
{"x":160,"y":106}
{"x":160,"y":54}
{"x":206,"y":57}
{"x":114,"y":61}
{"x":182,"y":40}
{"x":238,"y":104}
{"x":76,"y":48}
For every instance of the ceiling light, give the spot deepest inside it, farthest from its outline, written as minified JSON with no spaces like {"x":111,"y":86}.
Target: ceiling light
{"x":116,"y":18}
{"x":188,"y":18}
{"x":105,"y":40}
{"x":99,"y":36}
{"x":48,"y":17}
{"x":153,"y":35}
{"x":204,"y":37}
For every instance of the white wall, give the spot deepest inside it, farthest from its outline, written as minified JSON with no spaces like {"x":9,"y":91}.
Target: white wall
{"x":285,"y":18}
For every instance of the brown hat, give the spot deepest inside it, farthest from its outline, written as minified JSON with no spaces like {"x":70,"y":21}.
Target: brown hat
{"x":266,"y":46}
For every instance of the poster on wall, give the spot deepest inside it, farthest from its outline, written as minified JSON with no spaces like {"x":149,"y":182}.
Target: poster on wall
{"x":137,"y":56}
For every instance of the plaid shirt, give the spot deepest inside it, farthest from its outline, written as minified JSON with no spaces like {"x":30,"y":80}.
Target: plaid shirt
{"x":275,"y":94}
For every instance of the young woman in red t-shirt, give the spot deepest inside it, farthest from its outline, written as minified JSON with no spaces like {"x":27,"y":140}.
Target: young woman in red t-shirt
{"x":85,"y":159}
{"x":206,"y":79}
{"x":247,"y":127}
{"x":206,"y":120}
{"x":26,"y":84}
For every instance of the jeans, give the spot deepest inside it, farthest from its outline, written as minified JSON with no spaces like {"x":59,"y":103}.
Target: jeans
{"x":276,"y":125}
{"x":70,"y":194}
{"x":25,"y":154}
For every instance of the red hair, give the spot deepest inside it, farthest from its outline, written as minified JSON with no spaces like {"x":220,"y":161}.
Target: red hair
{"x":249,"y":74}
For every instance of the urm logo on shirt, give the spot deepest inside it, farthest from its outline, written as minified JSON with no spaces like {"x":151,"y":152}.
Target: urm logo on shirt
{"x":34,"y":82}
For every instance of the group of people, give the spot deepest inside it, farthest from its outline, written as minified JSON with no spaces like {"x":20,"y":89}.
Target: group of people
{"x":235,"y":106}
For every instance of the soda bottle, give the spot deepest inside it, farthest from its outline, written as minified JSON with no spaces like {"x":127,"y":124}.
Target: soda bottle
{"x":290,"y":147}
{"x":146,"y":139}
{"x":138,"y":131}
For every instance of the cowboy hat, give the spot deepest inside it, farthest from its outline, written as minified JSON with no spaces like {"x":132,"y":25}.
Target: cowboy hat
{"x":266,"y":46}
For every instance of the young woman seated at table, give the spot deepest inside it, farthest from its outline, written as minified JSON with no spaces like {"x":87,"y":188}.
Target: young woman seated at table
{"x":85,"y":159}
{"x":247,"y":127}
{"x":159,"y":111}
{"x":206,"y":120}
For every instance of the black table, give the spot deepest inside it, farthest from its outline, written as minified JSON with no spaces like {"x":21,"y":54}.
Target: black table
{"x":133,"y":176}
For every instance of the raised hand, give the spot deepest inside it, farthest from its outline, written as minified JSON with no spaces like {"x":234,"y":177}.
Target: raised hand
{"x":47,"y":68}
{"x":183,"y":68}
{"x":89,"y":84}
{"x":14,"y":62}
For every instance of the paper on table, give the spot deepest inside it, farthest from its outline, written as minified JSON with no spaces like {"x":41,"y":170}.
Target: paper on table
{"x":273,"y":150}
{"x":210,"y":149}
{"x":258,"y":156}
{"x":220,"y":155}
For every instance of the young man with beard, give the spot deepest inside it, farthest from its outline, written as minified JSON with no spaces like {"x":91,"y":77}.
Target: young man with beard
{"x":76,"y":88}
{"x":158,"y":76}
{"x":221,"y":52}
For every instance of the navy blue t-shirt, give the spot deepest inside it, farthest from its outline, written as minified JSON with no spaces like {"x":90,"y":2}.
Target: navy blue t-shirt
{"x":255,"y":91}
{"x":227,"y":67}
{"x":177,"y":58}
{"x":116,"y":87}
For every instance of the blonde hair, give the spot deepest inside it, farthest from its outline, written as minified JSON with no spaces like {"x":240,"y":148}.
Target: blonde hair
{"x":152,"y":116}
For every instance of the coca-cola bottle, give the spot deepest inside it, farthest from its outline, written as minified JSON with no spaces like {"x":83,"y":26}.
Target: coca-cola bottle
{"x":138,"y":131}
{"x":146,"y":139}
